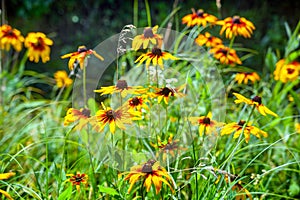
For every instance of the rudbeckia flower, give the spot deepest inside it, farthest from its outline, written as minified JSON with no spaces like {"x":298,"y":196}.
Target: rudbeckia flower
{"x":3,"y":177}
{"x":286,"y":71}
{"x":10,"y":37}
{"x":149,"y":36}
{"x":166,"y":92}
{"x":113,"y":118}
{"x":62,"y":79}
{"x":225,"y":55}
{"x":255,"y":101}
{"x":156,"y":56}
{"x":199,"y":18}
{"x":81,"y":116}
{"x":78,"y":179}
{"x":149,"y":172}
{"x":79,"y":57}
{"x":236,"y":25}
{"x":238,"y":129}
{"x":122,"y":88}
{"x":38,"y":46}
{"x":206,"y":124}
{"x":246,"y":76}
{"x":208,"y":40}
{"x":166,"y":147}
{"x":138,"y":103}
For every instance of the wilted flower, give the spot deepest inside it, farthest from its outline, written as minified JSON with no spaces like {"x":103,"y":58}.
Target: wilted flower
{"x":38,"y":46}
{"x":79,"y":57}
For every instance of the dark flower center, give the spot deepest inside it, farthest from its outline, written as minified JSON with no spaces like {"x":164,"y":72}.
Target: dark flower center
{"x":171,"y":146}
{"x":166,"y":91}
{"x":81,"y":49}
{"x":86,"y":112}
{"x":236,"y":20}
{"x":257,"y":99}
{"x":224,"y":51}
{"x":241,"y":122}
{"x":78,"y":178}
{"x":122,"y":84}
{"x":156,"y":51}
{"x":148,"y":33}
{"x":111,"y":115}
{"x":206,"y":120}
{"x":290,"y":71}
{"x":200,"y":13}
{"x":147,"y":167}
{"x":135,"y":101}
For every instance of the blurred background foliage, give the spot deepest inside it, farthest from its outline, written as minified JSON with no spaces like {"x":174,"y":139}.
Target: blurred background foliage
{"x":71,"y":23}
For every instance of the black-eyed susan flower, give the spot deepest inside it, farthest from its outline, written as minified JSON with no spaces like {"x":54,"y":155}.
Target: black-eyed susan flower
{"x":156,"y":56}
{"x":244,"y":77}
{"x":10,"y":37}
{"x":82,"y":117}
{"x":206,"y":124}
{"x":149,"y":173}
{"x":237,"y":128}
{"x":199,"y":18}
{"x":113,"y":118}
{"x":167,"y":147}
{"x":286,"y":71}
{"x":225,"y":55}
{"x":78,"y":179}
{"x":255,"y":101}
{"x":5,"y":176}
{"x":208,"y":40}
{"x":233,"y":26}
{"x":165,"y":93}
{"x":79,"y":57}
{"x":138,"y":103}
{"x":149,"y":37}
{"x":122,"y":88}
{"x":62,"y":79}
{"x":38,"y":45}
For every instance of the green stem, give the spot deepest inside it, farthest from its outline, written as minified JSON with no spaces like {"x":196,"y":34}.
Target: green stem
{"x":84,"y":87}
{"x":148,"y":13}
{"x":231,"y":42}
{"x":135,"y":12}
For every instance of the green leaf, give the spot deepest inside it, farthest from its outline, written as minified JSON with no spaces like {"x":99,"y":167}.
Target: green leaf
{"x":294,"y":189}
{"x":66,"y":194}
{"x":108,"y":190}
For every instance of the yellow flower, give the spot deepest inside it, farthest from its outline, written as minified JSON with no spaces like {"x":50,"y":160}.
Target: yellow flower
{"x":286,"y":71}
{"x":156,"y":56}
{"x":238,"y":128}
{"x":149,"y":172}
{"x":138,"y":103}
{"x":123,"y":88}
{"x":148,"y":37}
{"x":79,"y":56}
{"x":62,"y":79}
{"x":38,"y":46}
{"x":166,"y":92}
{"x":246,"y":76}
{"x":198,"y":18}
{"x":81,"y":116}
{"x":225,"y":55}
{"x":10,"y":37}
{"x":78,"y":179}
{"x":3,"y":177}
{"x":206,"y":124}
{"x":297,"y":127}
{"x":118,"y":117}
{"x":208,"y":40}
{"x":236,"y":25}
{"x":255,"y":101}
